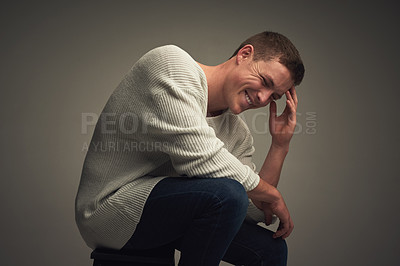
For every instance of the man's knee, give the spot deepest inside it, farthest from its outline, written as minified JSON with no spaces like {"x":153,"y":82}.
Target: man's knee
{"x":276,"y":254}
{"x":233,"y":195}
{"x":281,"y":251}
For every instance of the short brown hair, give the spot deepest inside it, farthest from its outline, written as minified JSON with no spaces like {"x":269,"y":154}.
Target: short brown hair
{"x":270,"y":45}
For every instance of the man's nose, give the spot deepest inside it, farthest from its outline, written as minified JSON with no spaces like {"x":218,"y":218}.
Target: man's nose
{"x":263,"y":96}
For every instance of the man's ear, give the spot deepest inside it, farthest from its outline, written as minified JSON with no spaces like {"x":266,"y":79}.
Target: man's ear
{"x":245,"y":53}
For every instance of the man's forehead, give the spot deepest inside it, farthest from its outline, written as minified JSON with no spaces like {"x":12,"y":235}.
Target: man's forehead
{"x":279,"y":75}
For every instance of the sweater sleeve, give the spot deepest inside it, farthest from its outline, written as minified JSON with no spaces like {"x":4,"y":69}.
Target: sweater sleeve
{"x":244,"y":149}
{"x":180,"y":127}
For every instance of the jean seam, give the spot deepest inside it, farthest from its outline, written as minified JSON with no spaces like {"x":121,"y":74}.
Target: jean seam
{"x":214,"y":229}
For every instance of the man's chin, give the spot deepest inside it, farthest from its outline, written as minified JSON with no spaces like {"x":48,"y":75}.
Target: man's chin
{"x":240,"y":109}
{"x":236,"y":111}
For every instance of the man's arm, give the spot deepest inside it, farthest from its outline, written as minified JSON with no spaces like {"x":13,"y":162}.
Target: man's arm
{"x":272,"y":167}
{"x":270,"y":173}
{"x":267,"y":194}
{"x":281,"y":129}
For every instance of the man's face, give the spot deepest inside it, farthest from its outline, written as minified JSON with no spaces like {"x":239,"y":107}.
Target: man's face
{"x":254,"y":84}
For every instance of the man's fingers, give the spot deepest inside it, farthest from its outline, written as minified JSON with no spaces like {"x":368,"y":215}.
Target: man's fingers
{"x":281,"y":232}
{"x":284,"y":230}
{"x":289,"y":95}
{"x":294,"y":95}
{"x":290,"y":98}
{"x":288,"y":232}
{"x":268,"y":218}
{"x":292,"y":108}
{"x":272,"y":110}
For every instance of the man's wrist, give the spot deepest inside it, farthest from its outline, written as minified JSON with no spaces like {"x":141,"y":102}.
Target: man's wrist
{"x":264,"y":192}
{"x":279,"y":148}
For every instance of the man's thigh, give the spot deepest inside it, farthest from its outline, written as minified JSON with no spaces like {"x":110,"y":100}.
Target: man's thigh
{"x":172,"y":206}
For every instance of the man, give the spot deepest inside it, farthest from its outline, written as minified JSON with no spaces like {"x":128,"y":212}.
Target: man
{"x":178,"y":170}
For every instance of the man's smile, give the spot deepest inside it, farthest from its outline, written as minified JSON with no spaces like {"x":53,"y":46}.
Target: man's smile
{"x":249,"y":101}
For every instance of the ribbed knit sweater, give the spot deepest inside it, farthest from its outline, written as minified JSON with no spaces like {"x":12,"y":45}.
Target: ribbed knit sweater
{"x":154,"y":125}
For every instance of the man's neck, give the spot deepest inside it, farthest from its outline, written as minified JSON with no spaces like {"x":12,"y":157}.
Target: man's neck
{"x":215,"y":81}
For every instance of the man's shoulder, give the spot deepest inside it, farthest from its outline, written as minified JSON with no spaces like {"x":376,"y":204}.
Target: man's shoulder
{"x":168,"y":47}
{"x":168,"y":59}
{"x":169,"y":51}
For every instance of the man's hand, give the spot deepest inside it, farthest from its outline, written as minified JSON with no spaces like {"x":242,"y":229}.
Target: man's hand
{"x":282,"y":127}
{"x":267,"y":213}
{"x":267,"y":197}
{"x":285,"y":221}
{"x":263,"y":206}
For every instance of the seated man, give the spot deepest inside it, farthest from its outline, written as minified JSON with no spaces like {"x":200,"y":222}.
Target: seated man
{"x":178,"y":168}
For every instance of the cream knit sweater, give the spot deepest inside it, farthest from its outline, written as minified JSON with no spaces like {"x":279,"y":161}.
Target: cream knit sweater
{"x":154,"y":125}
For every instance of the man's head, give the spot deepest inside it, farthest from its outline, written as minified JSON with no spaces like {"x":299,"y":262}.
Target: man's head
{"x":274,"y":46}
{"x":262,"y":70}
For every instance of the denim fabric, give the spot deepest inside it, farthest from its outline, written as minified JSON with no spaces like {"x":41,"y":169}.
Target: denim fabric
{"x":254,"y":245}
{"x":203,"y":218}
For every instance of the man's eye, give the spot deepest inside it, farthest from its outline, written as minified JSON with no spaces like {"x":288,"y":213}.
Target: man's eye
{"x":265,"y":82}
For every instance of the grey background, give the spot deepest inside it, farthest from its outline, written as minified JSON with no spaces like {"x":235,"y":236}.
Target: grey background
{"x":59,"y":60}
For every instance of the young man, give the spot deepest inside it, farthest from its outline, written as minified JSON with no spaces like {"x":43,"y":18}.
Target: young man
{"x":176,"y":168}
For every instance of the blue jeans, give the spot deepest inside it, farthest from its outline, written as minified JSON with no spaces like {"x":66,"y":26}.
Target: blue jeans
{"x":204,"y":219}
